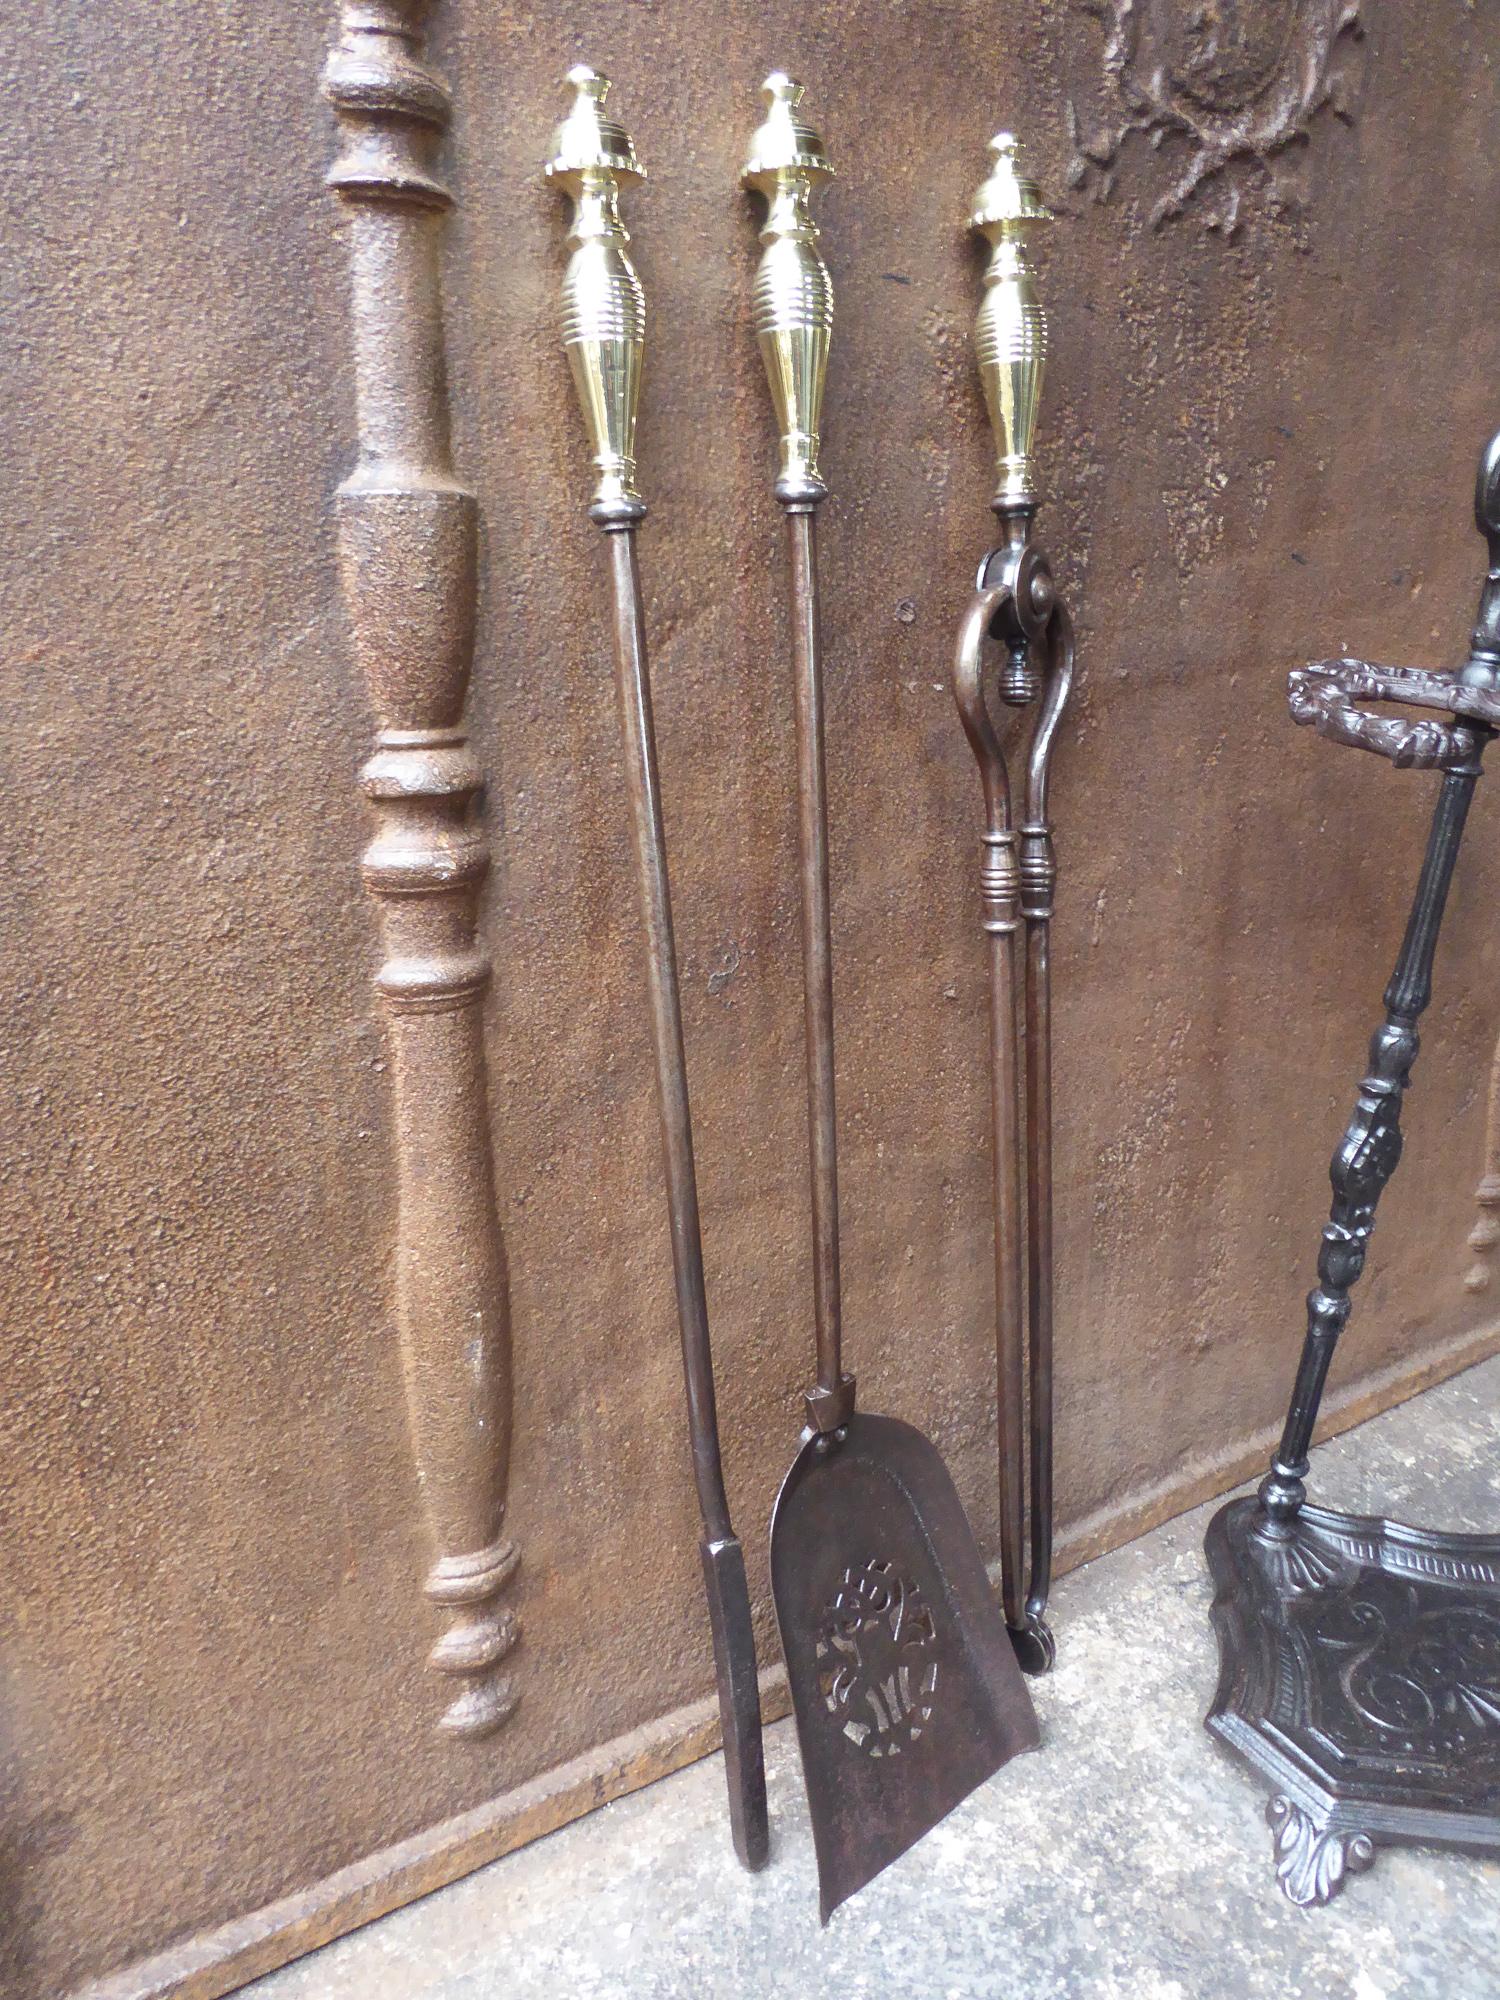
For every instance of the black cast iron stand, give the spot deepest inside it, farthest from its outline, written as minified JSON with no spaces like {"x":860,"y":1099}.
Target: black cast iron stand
{"x":1360,"y":1659}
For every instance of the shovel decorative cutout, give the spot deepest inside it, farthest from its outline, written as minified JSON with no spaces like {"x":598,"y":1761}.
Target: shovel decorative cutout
{"x":906,"y":1691}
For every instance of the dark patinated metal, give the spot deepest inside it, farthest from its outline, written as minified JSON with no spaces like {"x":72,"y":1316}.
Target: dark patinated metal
{"x":1360,"y":1659}
{"x":408,"y":544}
{"x":1015,"y":603}
{"x":723,"y":1561}
{"x":604,"y":326}
{"x":1360,"y":1675}
{"x":905,"y":1692}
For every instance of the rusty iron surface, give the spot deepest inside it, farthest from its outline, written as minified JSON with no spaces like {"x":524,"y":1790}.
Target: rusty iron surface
{"x":213,"y":1693}
{"x":408,"y":542}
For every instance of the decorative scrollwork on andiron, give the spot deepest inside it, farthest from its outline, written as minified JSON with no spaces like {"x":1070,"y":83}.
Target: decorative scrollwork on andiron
{"x":1365,"y":1683}
{"x":1418,"y":1665}
{"x":1324,"y":697}
{"x":1295,"y":1567}
{"x":1312,"y":1860}
{"x":877,"y":1659}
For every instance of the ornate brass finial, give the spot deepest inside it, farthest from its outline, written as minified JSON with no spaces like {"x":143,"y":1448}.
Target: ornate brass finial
{"x":1010,"y":334}
{"x":604,"y":308}
{"x":793,"y":295}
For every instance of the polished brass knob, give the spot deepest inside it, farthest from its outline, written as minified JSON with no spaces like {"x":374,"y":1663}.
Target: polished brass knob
{"x":1010,"y":334}
{"x":604,"y":308}
{"x":793,"y":295}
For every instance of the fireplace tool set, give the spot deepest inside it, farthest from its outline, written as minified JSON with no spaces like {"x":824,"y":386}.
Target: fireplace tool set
{"x":1360,"y":1658}
{"x":906,"y":1689}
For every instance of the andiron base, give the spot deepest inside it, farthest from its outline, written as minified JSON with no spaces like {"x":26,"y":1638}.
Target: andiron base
{"x":1359,"y":1672}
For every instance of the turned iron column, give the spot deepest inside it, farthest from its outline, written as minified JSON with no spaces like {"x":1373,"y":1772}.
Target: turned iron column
{"x":1324,"y":696}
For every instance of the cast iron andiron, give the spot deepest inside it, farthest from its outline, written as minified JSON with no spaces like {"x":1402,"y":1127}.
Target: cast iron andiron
{"x":1016,"y":603}
{"x":1359,"y":1659}
{"x":604,"y":327}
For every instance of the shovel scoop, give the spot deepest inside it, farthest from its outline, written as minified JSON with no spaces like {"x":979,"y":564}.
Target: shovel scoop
{"x":905,"y":1685}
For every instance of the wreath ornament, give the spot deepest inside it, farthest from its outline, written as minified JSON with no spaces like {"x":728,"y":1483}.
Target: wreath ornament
{"x":1239,"y":79}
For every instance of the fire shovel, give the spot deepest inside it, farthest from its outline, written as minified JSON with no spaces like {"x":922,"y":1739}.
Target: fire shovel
{"x":906,"y":1692}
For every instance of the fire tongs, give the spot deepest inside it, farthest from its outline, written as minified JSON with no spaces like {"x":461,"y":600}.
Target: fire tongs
{"x":1015,"y":603}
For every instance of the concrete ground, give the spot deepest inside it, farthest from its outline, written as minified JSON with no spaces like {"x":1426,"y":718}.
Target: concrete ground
{"x":1128,"y":1860}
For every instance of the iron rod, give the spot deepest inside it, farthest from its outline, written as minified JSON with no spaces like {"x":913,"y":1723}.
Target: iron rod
{"x":1010,"y":1343}
{"x":644,"y":785}
{"x":817,"y":945}
{"x":1038,"y":877}
{"x":721,"y":1555}
{"x":1039,"y":1262}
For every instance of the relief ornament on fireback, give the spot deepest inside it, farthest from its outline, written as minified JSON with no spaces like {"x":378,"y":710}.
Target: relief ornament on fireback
{"x":1238,"y":80}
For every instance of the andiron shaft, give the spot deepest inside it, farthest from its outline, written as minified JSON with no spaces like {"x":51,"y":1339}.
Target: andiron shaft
{"x":1370,"y":1149}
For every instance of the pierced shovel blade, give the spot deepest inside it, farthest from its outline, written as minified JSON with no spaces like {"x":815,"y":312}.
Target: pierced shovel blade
{"x":904,"y":1684}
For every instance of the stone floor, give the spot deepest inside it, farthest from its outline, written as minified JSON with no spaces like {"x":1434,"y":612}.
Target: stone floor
{"x":1127,"y":1861}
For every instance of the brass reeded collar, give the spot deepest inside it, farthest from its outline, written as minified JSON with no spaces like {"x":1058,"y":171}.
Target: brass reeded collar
{"x":793,"y":295}
{"x":604,"y":306}
{"x":1010,"y":333}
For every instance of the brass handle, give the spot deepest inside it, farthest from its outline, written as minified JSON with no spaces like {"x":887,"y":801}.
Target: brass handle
{"x":604,"y":307}
{"x":1010,"y":334}
{"x":793,"y":293}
